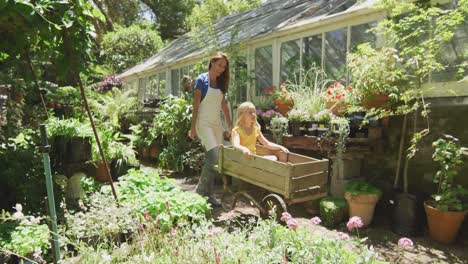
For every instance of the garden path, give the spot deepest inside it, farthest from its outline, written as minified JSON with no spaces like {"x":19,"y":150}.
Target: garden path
{"x":379,"y":234}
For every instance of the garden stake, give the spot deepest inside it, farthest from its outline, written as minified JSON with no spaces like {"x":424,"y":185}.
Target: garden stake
{"x":50,"y":191}
{"x":85,"y":101}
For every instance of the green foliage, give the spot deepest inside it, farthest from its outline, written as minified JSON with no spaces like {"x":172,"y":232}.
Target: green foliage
{"x":127,"y":46}
{"x":170,"y":16}
{"x":332,"y":210}
{"x":68,"y":128}
{"x":188,"y":244}
{"x":340,"y":126}
{"x":279,"y":128}
{"x":66,"y":95}
{"x":376,"y":72}
{"x":306,"y":93}
{"x":449,"y":154}
{"x":140,"y":136}
{"x":263,"y":102}
{"x":113,"y":147}
{"x":172,"y":124}
{"x":362,"y":187}
{"x":23,"y":235}
{"x":115,"y":107}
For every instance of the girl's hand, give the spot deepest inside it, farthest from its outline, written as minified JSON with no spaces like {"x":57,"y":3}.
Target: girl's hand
{"x":193,"y":133}
{"x":285,"y":150}
{"x":246,"y":154}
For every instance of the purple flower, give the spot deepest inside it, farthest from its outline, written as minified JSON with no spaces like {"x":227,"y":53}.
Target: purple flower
{"x":316,"y":220}
{"x":285,"y":216}
{"x":269,"y":114}
{"x":354,"y":222}
{"x":343,"y":236}
{"x":259,"y":112}
{"x":405,"y":242}
{"x":292,"y":223}
{"x":215,"y":231}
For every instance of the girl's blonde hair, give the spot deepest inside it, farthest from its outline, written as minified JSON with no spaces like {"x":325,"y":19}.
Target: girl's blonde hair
{"x":241,"y":110}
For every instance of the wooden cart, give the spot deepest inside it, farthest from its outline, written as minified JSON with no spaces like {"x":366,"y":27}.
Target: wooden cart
{"x":292,"y":179}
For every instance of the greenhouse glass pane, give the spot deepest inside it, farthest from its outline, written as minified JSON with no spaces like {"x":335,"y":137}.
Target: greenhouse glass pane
{"x":360,"y":34}
{"x":175,"y":82}
{"x":152,"y":88}
{"x":290,"y":60}
{"x":162,"y":84}
{"x":312,"y":52}
{"x":263,"y":69}
{"x":240,"y":79}
{"x":335,"y":54}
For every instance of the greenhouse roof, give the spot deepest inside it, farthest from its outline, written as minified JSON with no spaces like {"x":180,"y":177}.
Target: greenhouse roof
{"x":239,"y":27}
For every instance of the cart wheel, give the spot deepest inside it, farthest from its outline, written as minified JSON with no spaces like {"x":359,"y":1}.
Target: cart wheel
{"x":273,"y":201}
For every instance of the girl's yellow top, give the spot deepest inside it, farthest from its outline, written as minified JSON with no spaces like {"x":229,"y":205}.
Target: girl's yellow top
{"x":246,"y":140}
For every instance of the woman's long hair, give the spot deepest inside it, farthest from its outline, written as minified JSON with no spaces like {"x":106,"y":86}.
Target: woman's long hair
{"x":223,"y":79}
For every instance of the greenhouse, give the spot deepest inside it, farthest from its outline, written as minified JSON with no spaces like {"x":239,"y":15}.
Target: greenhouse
{"x":234,"y":131}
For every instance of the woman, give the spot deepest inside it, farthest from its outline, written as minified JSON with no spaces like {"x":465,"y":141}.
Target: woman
{"x":209,"y":99}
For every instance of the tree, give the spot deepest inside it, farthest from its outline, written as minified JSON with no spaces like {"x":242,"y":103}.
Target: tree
{"x":170,"y":16}
{"x":127,"y":46}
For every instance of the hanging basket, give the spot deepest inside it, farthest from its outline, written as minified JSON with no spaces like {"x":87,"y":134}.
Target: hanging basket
{"x":283,"y":107}
{"x":376,"y":101}
{"x":338,"y":108}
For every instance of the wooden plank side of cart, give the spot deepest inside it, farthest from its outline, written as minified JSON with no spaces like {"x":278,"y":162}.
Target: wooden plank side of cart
{"x":270,"y":175}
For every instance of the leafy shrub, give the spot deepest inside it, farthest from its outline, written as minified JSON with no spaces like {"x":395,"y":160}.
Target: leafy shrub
{"x":126,"y":46}
{"x":172,"y":125}
{"x":361,"y":187}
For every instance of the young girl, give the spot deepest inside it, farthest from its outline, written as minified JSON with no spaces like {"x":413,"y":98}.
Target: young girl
{"x":247,"y":132}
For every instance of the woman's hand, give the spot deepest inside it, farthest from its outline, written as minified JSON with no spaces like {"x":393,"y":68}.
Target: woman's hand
{"x":193,"y":133}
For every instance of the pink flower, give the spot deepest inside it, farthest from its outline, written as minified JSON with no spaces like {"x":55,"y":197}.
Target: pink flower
{"x":146,"y":215}
{"x":285,"y":216}
{"x":168,"y":204}
{"x":173,"y":232}
{"x":354,"y":222}
{"x":292,"y":223}
{"x":316,"y":220}
{"x":215,"y":231}
{"x":284,"y":260}
{"x":405,"y":242}
{"x":230,"y":215}
{"x":343,"y":236}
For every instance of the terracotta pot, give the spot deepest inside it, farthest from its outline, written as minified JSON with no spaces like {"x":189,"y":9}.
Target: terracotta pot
{"x":338,"y":108}
{"x":283,"y":107}
{"x":101,"y":174}
{"x":362,"y":205}
{"x":144,"y":153}
{"x":153,"y":152}
{"x":376,"y":101}
{"x":443,"y":225}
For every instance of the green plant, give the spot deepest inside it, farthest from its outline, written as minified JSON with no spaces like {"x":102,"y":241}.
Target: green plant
{"x":449,"y":154}
{"x":279,"y":127}
{"x":332,"y":210}
{"x":362,"y":187}
{"x":171,"y":125}
{"x":375,"y":72}
{"x":23,"y":235}
{"x":68,"y":128}
{"x":66,"y":95}
{"x":340,"y":126}
{"x":323,"y":116}
{"x":307,"y":93}
{"x":298,"y":115}
{"x":140,"y":136}
{"x":263,"y":102}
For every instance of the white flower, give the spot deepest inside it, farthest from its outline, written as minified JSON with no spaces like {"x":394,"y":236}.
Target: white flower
{"x":19,"y":208}
{"x":106,"y":257}
{"x":18,"y":215}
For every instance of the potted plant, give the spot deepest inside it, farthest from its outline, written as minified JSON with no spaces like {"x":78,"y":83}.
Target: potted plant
{"x":332,"y":211}
{"x":447,"y":210}
{"x":279,"y":127}
{"x":362,"y":198}
{"x":297,"y":118}
{"x":323,"y":119}
{"x":336,"y":96}
{"x":307,"y":95}
{"x":281,"y":98}
{"x":376,"y":75}
{"x":266,"y":117}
